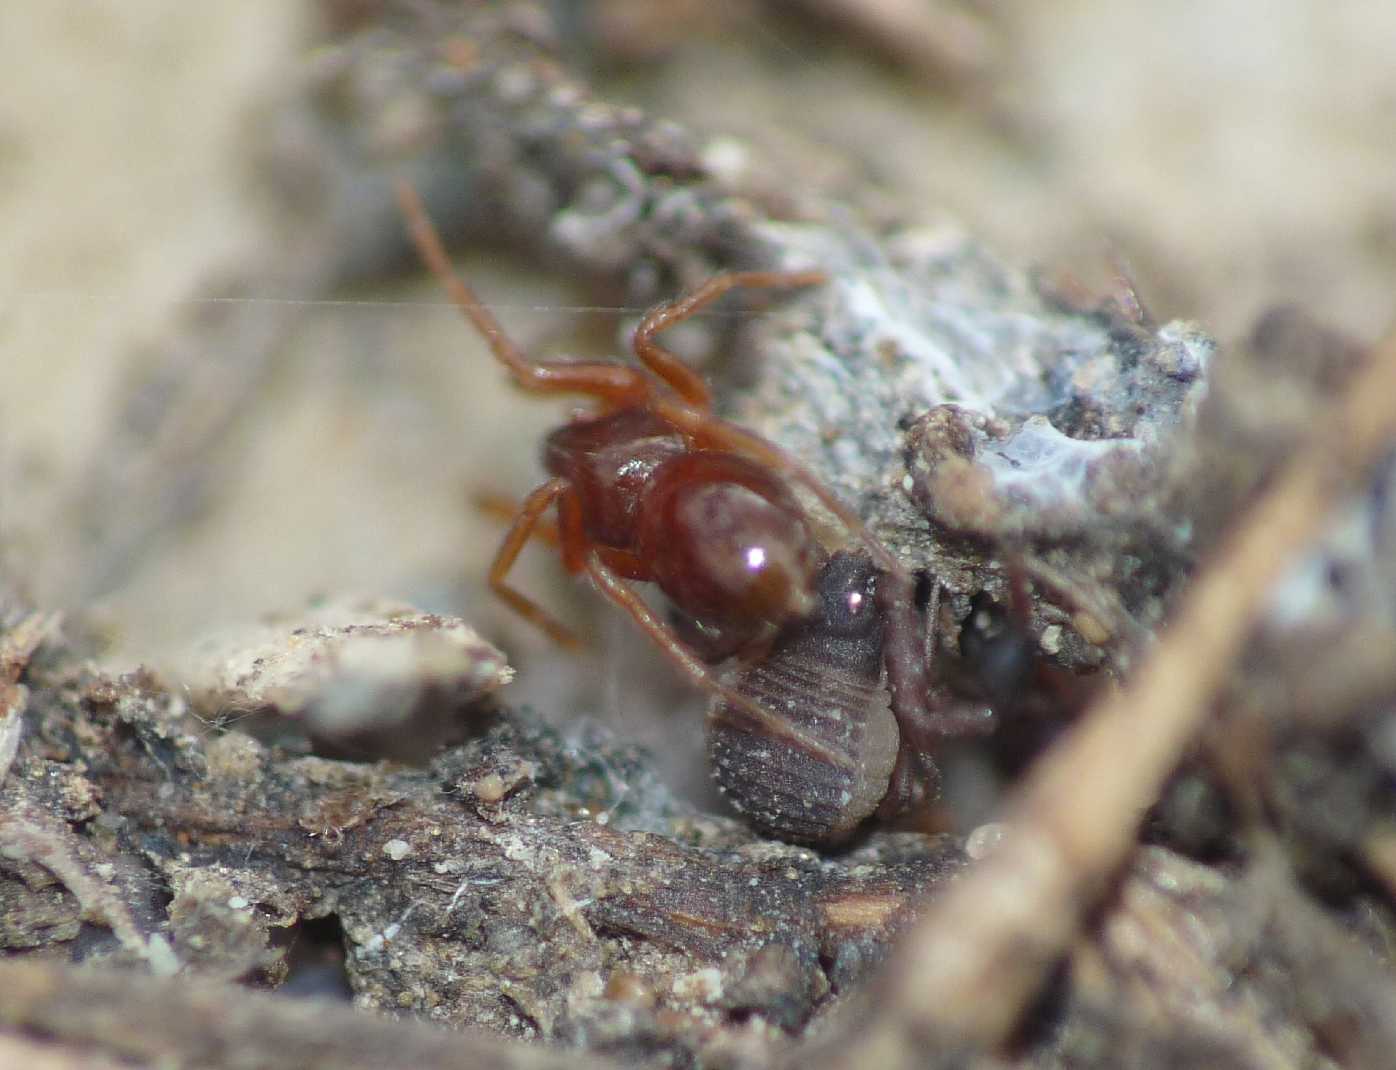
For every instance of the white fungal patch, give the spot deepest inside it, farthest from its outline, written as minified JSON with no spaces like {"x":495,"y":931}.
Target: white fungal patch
{"x":701,"y":986}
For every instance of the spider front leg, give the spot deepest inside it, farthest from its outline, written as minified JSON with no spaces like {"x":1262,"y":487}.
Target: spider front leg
{"x":613,"y":384}
{"x":684,"y":381}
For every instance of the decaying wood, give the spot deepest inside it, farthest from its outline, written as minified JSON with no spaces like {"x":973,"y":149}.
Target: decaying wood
{"x":531,"y":887}
{"x":161,"y":1021}
{"x":986,"y":947}
{"x":509,"y":886}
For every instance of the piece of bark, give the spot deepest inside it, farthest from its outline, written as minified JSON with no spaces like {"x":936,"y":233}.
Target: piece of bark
{"x":509,"y":887}
{"x":169,"y":1022}
{"x":987,"y":947}
{"x":505,"y":887}
{"x":371,"y":678}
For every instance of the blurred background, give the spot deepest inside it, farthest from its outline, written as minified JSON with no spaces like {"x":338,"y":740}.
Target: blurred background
{"x":315,"y":438}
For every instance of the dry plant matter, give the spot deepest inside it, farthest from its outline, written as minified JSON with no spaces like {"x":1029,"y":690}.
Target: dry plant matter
{"x":985,"y":948}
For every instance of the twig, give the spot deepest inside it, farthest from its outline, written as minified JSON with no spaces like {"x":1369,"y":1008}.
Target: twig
{"x":55,"y":847}
{"x":179,"y":1022}
{"x":985,"y":947}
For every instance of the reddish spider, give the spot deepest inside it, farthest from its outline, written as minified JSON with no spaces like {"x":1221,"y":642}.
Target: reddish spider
{"x":653,"y":487}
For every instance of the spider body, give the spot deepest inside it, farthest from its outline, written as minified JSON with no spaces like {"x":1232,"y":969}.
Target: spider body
{"x":609,"y":461}
{"x":724,"y":539}
{"x":854,"y":675}
{"x":654,"y":487}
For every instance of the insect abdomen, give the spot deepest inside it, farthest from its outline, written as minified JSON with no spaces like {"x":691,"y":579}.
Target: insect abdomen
{"x":824,"y":678}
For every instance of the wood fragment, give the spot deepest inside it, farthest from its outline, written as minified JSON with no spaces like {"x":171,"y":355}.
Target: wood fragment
{"x":180,"y":1022}
{"x":17,"y":646}
{"x":985,"y":947}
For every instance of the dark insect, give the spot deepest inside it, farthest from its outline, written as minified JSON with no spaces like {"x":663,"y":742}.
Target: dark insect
{"x":824,"y":675}
{"x":998,"y":650}
{"x":855,"y":672}
{"x":653,"y":487}
{"x":1002,"y":665}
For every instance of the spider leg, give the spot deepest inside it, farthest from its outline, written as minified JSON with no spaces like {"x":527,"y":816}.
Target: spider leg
{"x":613,"y":383}
{"x":504,"y":508}
{"x":685,"y":382}
{"x":1019,"y":592}
{"x":625,"y":596}
{"x":904,"y":655}
{"x":924,"y":714}
{"x":524,"y":526}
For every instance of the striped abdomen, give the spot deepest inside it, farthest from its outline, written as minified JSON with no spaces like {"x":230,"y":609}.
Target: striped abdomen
{"x":824,"y":678}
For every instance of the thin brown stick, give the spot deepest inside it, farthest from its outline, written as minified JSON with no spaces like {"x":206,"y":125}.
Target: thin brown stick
{"x":184,"y":1022}
{"x":984,"y":949}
